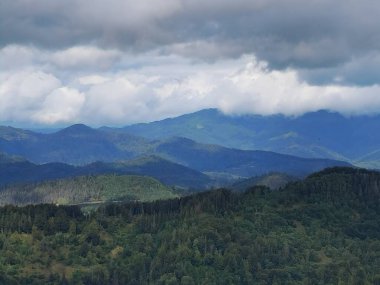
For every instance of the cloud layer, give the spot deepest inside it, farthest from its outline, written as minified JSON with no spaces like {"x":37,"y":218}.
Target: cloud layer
{"x":317,"y":33}
{"x":128,"y":61}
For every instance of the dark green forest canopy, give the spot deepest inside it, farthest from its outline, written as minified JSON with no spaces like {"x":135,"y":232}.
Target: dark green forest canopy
{"x":323,"y":230}
{"x":87,"y":189}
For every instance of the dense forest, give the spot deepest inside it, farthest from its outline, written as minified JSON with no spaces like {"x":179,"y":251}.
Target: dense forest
{"x":322,"y":230}
{"x":86,"y":189}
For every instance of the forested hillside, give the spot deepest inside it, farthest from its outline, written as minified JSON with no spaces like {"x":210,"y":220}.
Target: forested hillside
{"x":273,"y":181}
{"x":87,"y":189}
{"x":323,"y":230}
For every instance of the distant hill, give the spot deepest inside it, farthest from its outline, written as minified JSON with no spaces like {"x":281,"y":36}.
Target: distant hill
{"x":339,"y":185}
{"x":78,"y":144}
{"x":165,"y":171}
{"x":168,"y":172}
{"x":82,"y":146}
{"x":241,"y":163}
{"x":320,"y":134}
{"x":273,"y":181}
{"x":87,"y":189}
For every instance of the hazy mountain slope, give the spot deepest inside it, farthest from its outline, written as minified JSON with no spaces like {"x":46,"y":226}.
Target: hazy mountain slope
{"x":84,"y":189}
{"x":212,"y":158}
{"x":317,"y":134}
{"x":165,"y":171}
{"x":190,"y":160}
{"x":168,"y":172}
{"x":77,"y":144}
{"x":5,"y":158}
{"x":24,"y":172}
{"x":80,"y":145}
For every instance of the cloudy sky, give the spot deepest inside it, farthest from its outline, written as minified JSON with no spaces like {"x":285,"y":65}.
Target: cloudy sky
{"x":117,"y":62}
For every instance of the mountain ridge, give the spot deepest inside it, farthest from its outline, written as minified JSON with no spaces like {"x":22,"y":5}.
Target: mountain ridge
{"x":320,"y":134}
{"x":165,"y":171}
{"x":81,"y":145}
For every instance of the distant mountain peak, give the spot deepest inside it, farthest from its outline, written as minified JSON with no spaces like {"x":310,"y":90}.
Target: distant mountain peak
{"x":77,"y":129}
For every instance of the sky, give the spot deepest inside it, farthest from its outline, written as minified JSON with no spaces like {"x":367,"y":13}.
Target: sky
{"x":119,"y":62}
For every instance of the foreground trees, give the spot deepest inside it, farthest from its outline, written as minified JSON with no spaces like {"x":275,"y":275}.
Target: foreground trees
{"x":324,"y":230}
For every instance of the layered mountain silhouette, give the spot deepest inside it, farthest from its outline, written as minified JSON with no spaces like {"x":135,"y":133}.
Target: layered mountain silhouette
{"x":78,"y":144}
{"x":319,"y":134}
{"x":242,"y":163}
{"x":165,"y":171}
{"x":80,"y":150}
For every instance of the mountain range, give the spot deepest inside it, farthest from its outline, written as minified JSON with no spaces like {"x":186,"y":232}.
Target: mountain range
{"x":197,"y":151}
{"x":182,"y":162}
{"x":170,"y":173}
{"x":321,"y":134}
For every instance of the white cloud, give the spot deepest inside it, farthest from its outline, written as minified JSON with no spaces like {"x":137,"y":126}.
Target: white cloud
{"x":16,"y":56}
{"x":34,"y":96}
{"x":21,"y":93}
{"x":92,"y":79}
{"x":62,"y":105}
{"x":155,"y":86}
{"x":85,"y":57}
{"x":113,"y":101}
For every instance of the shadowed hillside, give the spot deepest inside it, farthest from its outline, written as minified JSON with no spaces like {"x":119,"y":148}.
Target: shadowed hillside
{"x":244,"y":163}
{"x":167,"y":172}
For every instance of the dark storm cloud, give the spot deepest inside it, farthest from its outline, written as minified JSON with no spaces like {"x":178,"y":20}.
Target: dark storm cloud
{"x":360,"y":71}
{"x":311,"y":35}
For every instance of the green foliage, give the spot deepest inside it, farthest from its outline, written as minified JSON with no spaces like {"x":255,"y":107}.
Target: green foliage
{"x":87,"y":189}
{"x":323,"y":230}
{"x":273,"y":181}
